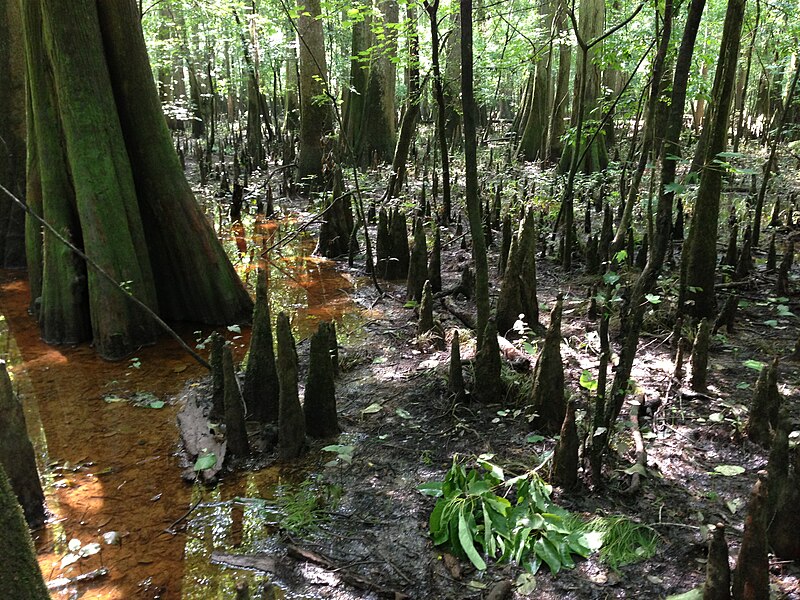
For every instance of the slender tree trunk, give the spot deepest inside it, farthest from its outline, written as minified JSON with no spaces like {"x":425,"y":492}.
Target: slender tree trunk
{"x":670,"y":154}
{"x":411,"y":115}
{"x":742,"y":99}
{"x":557,"y":123}
{"x":441,"y":115}
{"x":471,"y":168}
{"x":699,"y":260}
{"x":354,"y":100}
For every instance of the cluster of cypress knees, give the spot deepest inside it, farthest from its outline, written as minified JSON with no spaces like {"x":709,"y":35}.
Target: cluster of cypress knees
{"x":270,"y":388}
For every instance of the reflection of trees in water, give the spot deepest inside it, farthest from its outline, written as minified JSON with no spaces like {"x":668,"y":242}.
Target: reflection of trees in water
{"x":306,"y":287}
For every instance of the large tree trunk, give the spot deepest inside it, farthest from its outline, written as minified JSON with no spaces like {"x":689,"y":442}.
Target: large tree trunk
{"x":12,"y":135}
{"x":108,"y":173}
{"x":699,"y":260}
{"x":316,"y":118}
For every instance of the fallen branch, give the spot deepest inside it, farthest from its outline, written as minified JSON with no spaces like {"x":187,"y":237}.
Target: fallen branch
{"x":352,"y":579}
{"x":640,"y":465}
{"x":466,"y":318}
{"x":62,"y":582}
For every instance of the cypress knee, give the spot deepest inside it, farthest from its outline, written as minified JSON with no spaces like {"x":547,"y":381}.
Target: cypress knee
{"x":291,"y":423}
{"x":718,"y":572}
{"x":235,"y":429}
{"x":16,"y":453}
{"x":751,"y":576}
{"x":261,"y":388}
{"x":418,"y":266}
{"x":455,"y":383}
{"x":319,"y":406}
{"x":425,"y":323}
{"x":565,"y":458}
{"x":547,"y":393}
{"x":487,"y":366}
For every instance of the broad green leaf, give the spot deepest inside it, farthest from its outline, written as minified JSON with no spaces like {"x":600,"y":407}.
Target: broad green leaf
{"x":372,"y":409}
{"x":206,"y":461}
{"x":756,"y":365}
{"x":526,"y":584}
{"x":431,"y":488}
{"x":544,"y":550}
{"x":587,"y":381}
{"x":653,"y":298}
{"x":157,"y":404}
{"x":729,"y":470}
{"x":467,"y":544}
{"x":534,"y":438}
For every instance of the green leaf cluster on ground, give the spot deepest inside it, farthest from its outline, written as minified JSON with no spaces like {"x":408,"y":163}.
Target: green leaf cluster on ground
{"x":482,"y":515}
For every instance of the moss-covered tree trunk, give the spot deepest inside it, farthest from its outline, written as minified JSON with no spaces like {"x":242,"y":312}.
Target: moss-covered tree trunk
{"x":378,"y":127}
{"x":699,"y":259}
{"x":16,"y":453}
{"x":12,"y":134}
{"x":102,"y":172}
{"x":19,"y":572}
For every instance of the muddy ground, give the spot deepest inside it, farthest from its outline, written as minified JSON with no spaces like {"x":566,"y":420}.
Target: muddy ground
{"x":371,"y":540}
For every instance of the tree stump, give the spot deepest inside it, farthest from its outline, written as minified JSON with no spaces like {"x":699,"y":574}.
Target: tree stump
{"x":699,"y":359}
{"x":291,"y":422}
{"x":235,"y":428}
{"x":16,"y":453}
{"x":319,"y":406}
{"x":435,"y":262}
{"x":547,"y":394}
{"x":261,"y":387}
{"x":727,"y":316}
{"x":19,"y":570}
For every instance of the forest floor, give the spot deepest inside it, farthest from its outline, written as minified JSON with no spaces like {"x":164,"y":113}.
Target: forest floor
{"x":365,"y":533}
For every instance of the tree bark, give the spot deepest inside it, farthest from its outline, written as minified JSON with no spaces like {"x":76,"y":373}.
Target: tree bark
{"x":316,"y":118}
{"x":12,"y":135}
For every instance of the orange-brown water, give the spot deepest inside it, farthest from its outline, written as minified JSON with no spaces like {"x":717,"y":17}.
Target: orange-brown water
{"x":113,"y":466}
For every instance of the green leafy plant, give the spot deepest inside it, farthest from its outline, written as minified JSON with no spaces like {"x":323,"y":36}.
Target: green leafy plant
{"x":472,"y":519}
{"x":623,"y":541}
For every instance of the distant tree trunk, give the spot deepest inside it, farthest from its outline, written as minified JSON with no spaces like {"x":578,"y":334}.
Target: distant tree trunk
{"x":408,"y":124}
{"x":533,"y":144}
{"x":291,"y":111}
{"x":557,"y":123}
{"x":19,"y":571}
{"x":12,"y":135}
{"x":741,"y":99}
{"x":378,"y":126}
{"x":699,"y":259}
{"x":112,"y":174}
{"x":450,"y":83}
{"x":359,"y":72}
{"x":591,"y":22}
{"x":316,"y":118}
